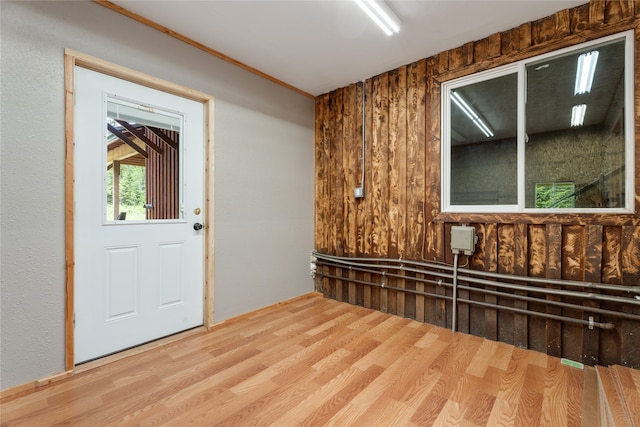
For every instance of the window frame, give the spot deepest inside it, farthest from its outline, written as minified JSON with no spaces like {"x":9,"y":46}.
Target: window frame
{"x":519,"y":68}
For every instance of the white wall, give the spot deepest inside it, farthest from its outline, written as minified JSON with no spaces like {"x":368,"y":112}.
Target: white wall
{"x":263,"y":172}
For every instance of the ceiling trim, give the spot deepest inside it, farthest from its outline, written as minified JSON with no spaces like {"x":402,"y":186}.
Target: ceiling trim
{"x":197,"y":45}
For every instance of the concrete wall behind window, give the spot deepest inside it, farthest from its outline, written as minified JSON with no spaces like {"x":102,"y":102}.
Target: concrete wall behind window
{"x":263,"y":172}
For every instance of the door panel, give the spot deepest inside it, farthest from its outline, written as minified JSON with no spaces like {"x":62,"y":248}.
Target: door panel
{"x":122,"y":282}
{"x":171,"y":262}
{"x":138,"y":260}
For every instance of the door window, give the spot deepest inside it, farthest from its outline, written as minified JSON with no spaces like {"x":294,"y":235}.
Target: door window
{"x":143,"y":175}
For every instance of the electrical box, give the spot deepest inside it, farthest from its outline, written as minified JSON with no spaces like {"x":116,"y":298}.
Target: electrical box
{"x":358,"y":192}
{"x":463,"y":239}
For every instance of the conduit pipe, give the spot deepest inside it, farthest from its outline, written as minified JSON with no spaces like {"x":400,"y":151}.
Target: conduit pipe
{"x":561,"y":304}
{"x":455,"y":294}
{"x":600,"y":325}
{"x":448,"y":267}
{"x":548,"y":291}
{"x":364,"y":96}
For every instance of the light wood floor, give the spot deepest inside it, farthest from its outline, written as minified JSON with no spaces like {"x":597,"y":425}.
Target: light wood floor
{"x":315,"y":362}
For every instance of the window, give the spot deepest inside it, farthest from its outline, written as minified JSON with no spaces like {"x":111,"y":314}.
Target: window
{"x":518,"y":137}
{"x":142,"y":178}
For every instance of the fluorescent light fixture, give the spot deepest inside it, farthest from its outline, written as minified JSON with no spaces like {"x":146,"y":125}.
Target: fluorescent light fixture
{"x":577,"y":114}
{"x":470,"y":112}
{"x":381,"y":14}
{"x":584,"y":74}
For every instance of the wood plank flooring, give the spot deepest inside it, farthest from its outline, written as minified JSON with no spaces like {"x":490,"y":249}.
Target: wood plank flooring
{"x":315,"y":362}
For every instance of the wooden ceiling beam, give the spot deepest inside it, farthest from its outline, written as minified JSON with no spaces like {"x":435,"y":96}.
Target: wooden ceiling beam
{"x":126,"y":140}
{"x":135,"y":131}
{"x":163,"y":136}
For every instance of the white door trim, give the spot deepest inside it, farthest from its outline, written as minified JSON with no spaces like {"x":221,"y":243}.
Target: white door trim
{"x":72,"y":59}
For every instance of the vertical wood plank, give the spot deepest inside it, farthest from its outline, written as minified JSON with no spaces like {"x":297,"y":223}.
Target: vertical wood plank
{"x":379,"y":167}
{"x":401,"y":159}
{"x":321,"y":235}
{"x":337,"y":185}
{"x":456,"y":58}
{"x":612,"y":255}
{"x":592,"y":273}
{"x":361,"y":214}
{"x":520,"y":324}
{"x":552,"y":27}
{"x":351,"y":180}
{"x":481,"y":50}
{"x":537,"y":268}
{"x":563,"y":24}
{"x":350,"y":166}
{"x":371,"y":295}
{"x":493,"y":46}
{"x":579,"y":18}
{"x":467,"y":53}
{"x":618,"y":11}
{"x":573,"y":258}
{"x":415,"y":159}
{"x":596,"y":12}
{"x":360,"y":204}
{"x":510,"y":41}
{"x":524,"y":35}
{"x":629,"y":329}
{"x":506,"y":265}
{"x":609,"y":346}
{"x":491,"y":264}
{"x":416,"y":134}
{"x":433,"y":248}
{"x":554,"y":271}
{"x":443,"y":62}
{"x":477,"y":324}
{"x":397,"y":174}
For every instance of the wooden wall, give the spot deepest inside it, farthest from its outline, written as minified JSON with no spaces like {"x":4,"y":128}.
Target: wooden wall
{"x":400,"y":213}
{"x":163,"y":179}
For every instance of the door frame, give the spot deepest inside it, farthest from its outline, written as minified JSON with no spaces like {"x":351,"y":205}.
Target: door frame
{"x":72,"y":59}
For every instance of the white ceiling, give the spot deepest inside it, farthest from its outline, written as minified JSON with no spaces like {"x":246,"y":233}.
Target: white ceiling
{"x":320,"y":45}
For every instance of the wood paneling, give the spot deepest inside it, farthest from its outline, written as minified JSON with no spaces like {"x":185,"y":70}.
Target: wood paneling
{"x":400,"y":216}
{"x":162,"y":177}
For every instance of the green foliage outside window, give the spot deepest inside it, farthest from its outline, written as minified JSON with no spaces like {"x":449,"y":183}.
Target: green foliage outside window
{"x":132,"y":192}
{"x":555,"y":195}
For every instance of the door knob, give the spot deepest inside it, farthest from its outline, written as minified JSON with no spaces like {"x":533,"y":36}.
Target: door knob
{"x":197,"y":226}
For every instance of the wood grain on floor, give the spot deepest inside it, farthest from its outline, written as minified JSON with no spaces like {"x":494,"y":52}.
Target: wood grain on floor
{"x":315,"y":362}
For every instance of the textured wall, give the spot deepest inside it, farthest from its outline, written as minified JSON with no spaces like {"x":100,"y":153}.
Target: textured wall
{"x":263,"y":172}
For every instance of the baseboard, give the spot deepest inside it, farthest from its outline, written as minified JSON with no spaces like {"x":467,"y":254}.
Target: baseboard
{"x":269,"y":307}
{"x":24,"y":389}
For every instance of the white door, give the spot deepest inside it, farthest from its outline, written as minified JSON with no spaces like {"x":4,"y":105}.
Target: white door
{"x":138,"y":191}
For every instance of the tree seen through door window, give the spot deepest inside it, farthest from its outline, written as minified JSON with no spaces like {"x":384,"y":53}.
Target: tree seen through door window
{"x":132,"y":192}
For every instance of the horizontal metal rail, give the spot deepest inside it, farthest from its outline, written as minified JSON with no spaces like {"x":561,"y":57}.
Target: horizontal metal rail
{"x":396,"y":268}
{"x":480,"y":303}
{"x":402,"y":263}
{"x":440,"y":282}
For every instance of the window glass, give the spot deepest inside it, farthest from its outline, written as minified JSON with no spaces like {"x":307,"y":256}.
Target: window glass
{"x":516,"y":136}
{"x":483,"y":142}
{"x":143,"y":170}
{"x":575,"y":131}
